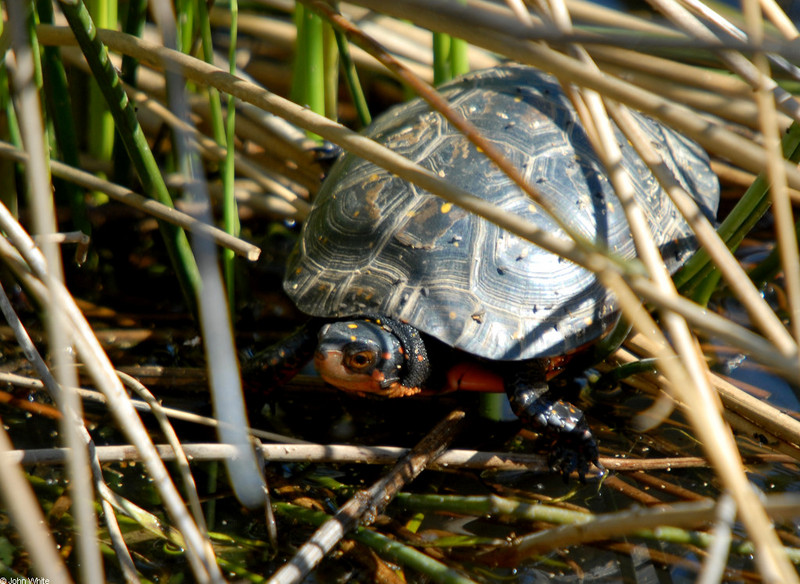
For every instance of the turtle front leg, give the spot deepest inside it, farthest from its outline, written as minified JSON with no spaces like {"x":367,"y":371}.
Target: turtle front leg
{"x":573,"y":446}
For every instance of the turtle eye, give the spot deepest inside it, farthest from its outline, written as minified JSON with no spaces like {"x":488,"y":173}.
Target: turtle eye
{"x":360,"y":360}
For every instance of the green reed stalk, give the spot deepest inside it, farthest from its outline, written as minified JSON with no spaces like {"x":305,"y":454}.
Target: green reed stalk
{"x":135,"y":141}
{"x":308,"y":82}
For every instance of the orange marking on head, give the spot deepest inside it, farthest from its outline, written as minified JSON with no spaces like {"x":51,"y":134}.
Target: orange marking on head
{"x":398,"y":390}
{"x":331,"y":369}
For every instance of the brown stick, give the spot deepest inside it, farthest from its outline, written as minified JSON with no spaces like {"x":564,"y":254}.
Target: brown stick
{"x":365,"y":506}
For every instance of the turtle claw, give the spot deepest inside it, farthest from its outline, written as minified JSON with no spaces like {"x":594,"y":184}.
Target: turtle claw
{"x":573,"y":451}
{"x":571,"y":445}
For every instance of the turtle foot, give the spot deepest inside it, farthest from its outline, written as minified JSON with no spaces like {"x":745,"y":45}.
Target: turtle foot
{"x":570,"y":443}
{"x":572,"y":450}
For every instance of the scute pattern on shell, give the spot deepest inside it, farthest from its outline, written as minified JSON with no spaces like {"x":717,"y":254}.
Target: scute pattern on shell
{"x":375,"y":243}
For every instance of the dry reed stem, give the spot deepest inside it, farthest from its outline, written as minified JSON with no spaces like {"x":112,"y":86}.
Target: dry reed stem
{"x":378,"y":455}
{"x":141,"y":203}
{"x":761,"y":413}
{"x":104,"y":376}
{"x":689,"y":349}
{"x":21,"y":64}
{"x":365,"y":506}
{"x":27,"y":516}
{"x":498,"y":32}
{"x":206,"y":74}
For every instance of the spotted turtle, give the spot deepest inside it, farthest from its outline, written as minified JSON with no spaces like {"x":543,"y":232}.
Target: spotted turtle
{"x":403,"y":283}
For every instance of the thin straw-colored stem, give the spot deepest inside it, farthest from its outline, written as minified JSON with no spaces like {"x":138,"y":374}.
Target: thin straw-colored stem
{"x":155,"y":407}
{"x":41,"y":202}
{"x":27,"y":517}
{"x":715,"y":435}
{"x":366,"y":505}
{"x":762,"y":315}
{"x":630,"y":521}
{"x":376,"y":455}
{"x":471,"y":25}
{"x":70,"y":416}
{"x":210,"y":148}
{"x":734,"y":60}
{"x":98,"y":397}
{"x":223,"y":367}
{"x":135,"y":142}
{"x":137,"y":201}
{"x":781,"y":203}
{"x":101,"y":371}
{"x":719,"y":550}
{"x":779,"y":18}
{"x":734,"y":32}
{"x":766,"y":90}
{"x":362,"y":146}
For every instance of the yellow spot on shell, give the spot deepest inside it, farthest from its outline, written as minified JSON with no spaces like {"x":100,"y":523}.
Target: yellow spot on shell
{"x":353,"y":338}
{"x":352,"y":325}
{"x":446,"y":207}
{"x":452,"y":315}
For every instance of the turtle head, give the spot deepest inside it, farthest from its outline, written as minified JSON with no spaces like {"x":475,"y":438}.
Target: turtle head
{"x":370,"y":356}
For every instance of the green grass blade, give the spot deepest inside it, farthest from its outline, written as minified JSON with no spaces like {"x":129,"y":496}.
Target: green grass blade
{"x":9,"y":127}
{"x":214,"y":102}
{"x":330,"y":72}
{"x":739,"y":222}
{"x":224,"y":135}
{"x":351,"y":79}
{"x":134,"y":25}
{"x":459,"y":56}
{"x":230,"y":211}
{"x":135,"y":142}
{"x":185,"y":17}
{"x":101,"y":121}
{"x":450,"y":57}
{"x":337,"y":51}
{"x":59,"y":105}
{"x":308,"y":82}
{"x":441,"y":58}
{"x":385,"y":547}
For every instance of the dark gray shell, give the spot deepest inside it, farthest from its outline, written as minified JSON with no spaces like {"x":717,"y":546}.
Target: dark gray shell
{"x":377,"y":244}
